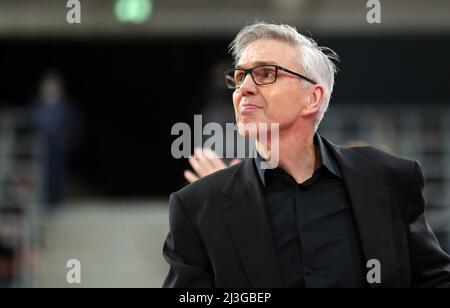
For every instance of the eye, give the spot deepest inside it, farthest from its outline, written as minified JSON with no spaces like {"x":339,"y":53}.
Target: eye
{"x":239,"y":76}
{"x":268,"y":73}
{"x":265,"y":73}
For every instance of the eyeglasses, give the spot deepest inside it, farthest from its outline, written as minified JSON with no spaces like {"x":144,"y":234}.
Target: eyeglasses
{"x":261,"y":75}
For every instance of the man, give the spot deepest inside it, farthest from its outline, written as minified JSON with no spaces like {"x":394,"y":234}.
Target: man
{"x":325,"y":216}
{"x":58,"y":123}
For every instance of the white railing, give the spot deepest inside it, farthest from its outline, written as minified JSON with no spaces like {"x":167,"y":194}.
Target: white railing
{"x":20,"y":192}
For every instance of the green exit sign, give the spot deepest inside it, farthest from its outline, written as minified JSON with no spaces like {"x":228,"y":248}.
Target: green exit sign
{"x":133,"y":11}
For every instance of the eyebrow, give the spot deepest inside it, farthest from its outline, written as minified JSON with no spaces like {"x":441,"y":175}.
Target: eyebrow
{"x":258,"y":63}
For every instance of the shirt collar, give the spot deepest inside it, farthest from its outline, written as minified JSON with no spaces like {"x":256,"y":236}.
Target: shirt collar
{"x":326,"y":158}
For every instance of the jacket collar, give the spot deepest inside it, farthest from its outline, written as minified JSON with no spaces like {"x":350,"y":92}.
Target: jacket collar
{"x":326,"y":159}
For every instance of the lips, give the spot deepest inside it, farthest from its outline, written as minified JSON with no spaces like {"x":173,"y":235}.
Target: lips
{"x":249,"y":107}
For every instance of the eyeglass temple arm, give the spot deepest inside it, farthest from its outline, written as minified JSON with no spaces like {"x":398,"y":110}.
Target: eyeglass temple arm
{"x":296,"y":74}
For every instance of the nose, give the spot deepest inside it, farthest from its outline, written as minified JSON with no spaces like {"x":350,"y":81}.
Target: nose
{"x":248,"y":86}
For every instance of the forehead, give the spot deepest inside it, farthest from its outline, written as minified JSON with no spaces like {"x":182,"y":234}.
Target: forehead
{"x":269,"y":51}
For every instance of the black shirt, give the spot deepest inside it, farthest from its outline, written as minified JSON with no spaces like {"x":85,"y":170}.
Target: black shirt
{"x":313,"y":230}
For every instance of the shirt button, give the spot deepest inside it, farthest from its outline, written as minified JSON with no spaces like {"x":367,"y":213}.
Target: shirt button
{"x":306,"y":228}
{"x":310,"y":272}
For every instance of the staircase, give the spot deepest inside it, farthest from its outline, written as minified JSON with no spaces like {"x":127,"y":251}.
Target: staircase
{"x":119,"y":244}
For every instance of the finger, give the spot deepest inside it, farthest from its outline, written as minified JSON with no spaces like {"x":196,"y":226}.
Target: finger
{"x":204,"y":161}
{"x":210,"y":153}
{"x":198,"y":168}
{"x":235,"y":162}
{"x":190,"y":177}
{"x":214,"y":159}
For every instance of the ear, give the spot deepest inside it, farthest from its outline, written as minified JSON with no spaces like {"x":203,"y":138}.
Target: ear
{"x":315,"y":95}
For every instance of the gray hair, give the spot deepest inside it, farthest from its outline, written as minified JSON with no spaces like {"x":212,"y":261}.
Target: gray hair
{"x":315,"y":60}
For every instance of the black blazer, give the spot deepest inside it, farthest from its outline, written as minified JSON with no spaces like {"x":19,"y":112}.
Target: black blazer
{"x":220,"y":236}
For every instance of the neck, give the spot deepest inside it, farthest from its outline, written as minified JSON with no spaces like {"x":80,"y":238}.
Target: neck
{"x":297,"y":153}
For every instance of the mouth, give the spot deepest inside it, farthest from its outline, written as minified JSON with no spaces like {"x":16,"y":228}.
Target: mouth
{"x":249,"y":108}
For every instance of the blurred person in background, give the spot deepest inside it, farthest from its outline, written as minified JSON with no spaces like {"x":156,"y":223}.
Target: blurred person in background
{"x":58,"y":123}
{"x":324,"y":215}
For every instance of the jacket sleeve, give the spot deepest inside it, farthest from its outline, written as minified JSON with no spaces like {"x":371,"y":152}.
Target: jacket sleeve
{"x":430,"y":265}
{"x":184,"y":251}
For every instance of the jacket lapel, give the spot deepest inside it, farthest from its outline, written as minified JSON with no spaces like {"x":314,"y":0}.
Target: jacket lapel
{"x":247,"y":223}
{"x":371,"y":205}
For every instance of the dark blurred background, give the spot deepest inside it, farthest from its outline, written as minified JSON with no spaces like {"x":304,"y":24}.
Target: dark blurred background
{"x":134,"y":68}
{"x":132,"y":92}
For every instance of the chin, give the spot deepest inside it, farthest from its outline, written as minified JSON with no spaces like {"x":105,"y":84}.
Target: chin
{"x":248,"y":128}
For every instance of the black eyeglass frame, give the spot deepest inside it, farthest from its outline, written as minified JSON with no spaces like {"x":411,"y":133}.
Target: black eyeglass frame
{"x":277,"y":67}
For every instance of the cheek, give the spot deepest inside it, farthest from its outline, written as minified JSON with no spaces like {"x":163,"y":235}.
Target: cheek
{"x":283,"y":108}
{"x":236,"y":100}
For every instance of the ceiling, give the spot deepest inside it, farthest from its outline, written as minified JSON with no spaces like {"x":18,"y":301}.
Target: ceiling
{"x":37,"y":18}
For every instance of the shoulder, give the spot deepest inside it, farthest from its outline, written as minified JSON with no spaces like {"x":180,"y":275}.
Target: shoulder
{"x":368,"y":158}
{"x":213,"y":183}
{"x":206,"y":194}
{"x":401,"y":174}
{"x":388,"y":162}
